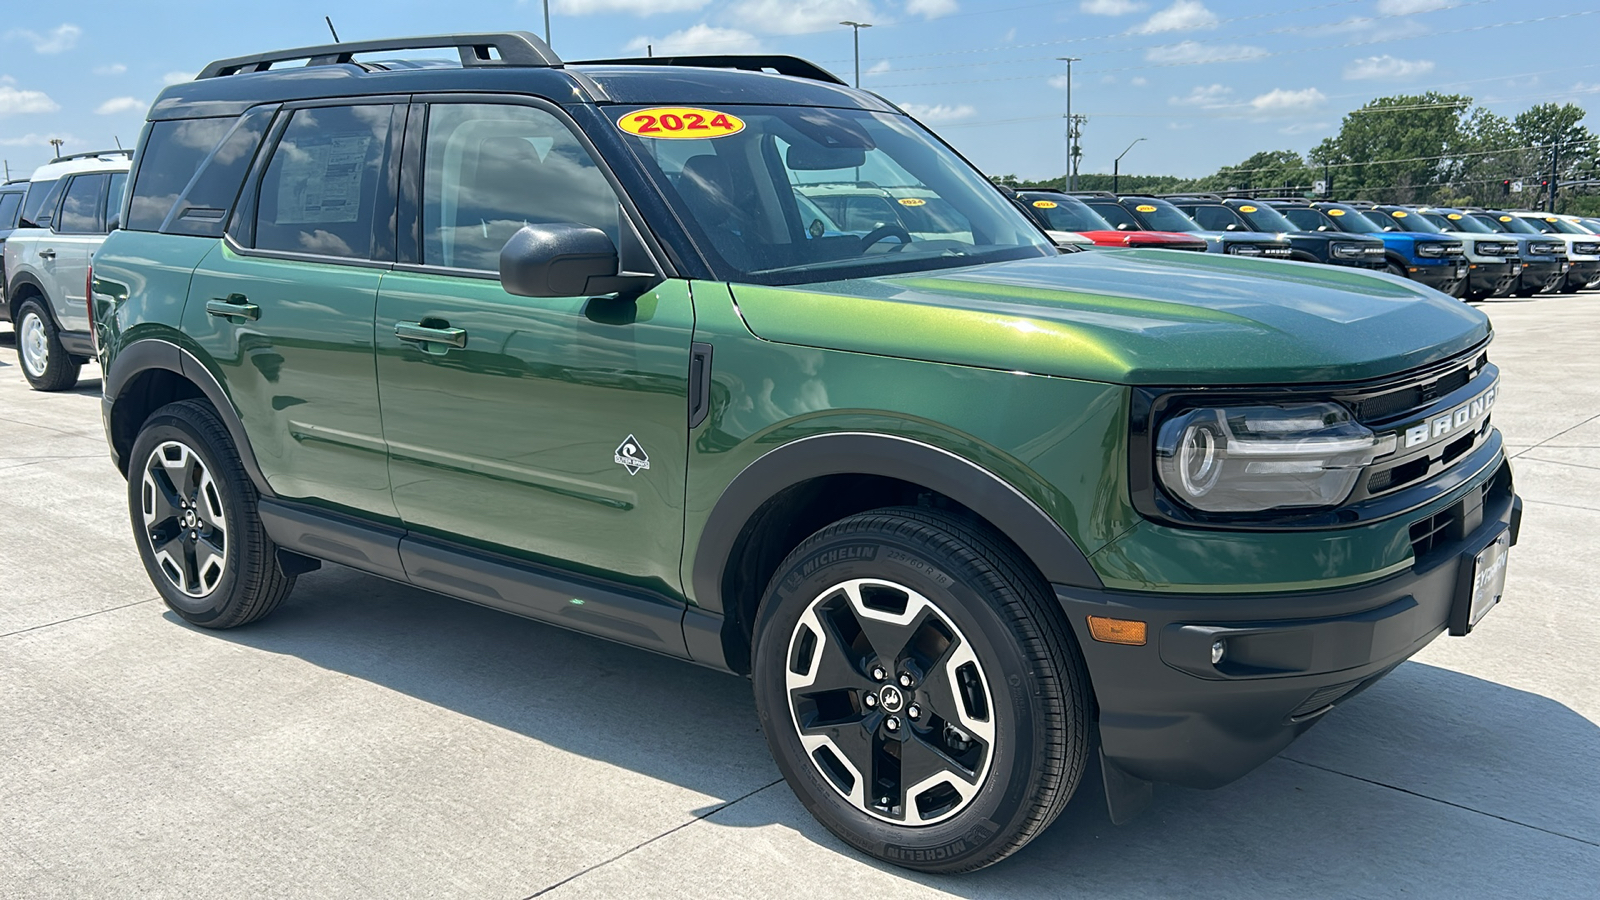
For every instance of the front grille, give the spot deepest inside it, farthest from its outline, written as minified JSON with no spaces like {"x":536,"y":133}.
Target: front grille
{"x":1434,"y":531}
{"x":1378,"y":409}
{"x":1276,"y":252}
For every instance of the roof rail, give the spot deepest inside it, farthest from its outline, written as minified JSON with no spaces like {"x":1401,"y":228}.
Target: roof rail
{"x":1190,"y":195}
{"x":1090,"y":194}
{"x":91,"y":154}
{"x":514,"y":48}
{"x":793,"y":66}
{"x":1298,"y":201}
{"x":1360,"y":204}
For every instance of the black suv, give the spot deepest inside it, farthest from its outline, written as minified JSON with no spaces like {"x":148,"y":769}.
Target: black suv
{"x":1320,"y":245}
{"x":11,"y":195}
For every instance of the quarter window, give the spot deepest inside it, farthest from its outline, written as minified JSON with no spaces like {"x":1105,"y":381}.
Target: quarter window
{"x":81,"y":209}
{"x":10,"y":202}
{"x":489,"y":169}
{"x":171,"y":154}
{"x":321,"y":188}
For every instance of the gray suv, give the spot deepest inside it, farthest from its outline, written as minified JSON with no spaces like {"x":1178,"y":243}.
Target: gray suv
{"x":68,"y":210}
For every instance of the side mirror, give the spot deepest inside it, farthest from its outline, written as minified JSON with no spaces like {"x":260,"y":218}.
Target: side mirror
{"x":562,"y":259}
{"x":113,"y":224}
{"x":1125,"y":227}
{"x":1233,"y":226}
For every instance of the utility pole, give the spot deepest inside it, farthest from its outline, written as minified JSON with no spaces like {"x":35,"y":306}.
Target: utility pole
{"x":856,"y":28}
{"x":1327,"y":181}
{"x":1077,"y":148}
{"x":547,"y":23}
{"x":1116,"y":165}
{"x":1068,"y":181}
{"x":1555,"y":150}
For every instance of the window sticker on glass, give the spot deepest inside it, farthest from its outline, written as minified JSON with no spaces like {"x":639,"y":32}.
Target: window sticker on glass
{"x":1045,"y":204}
{"x":1335,"y":212}
{"x":1248,"y":209}
{"x":1145,"y":207}
{"x":322,"y":180}
{"x":680,"y":122}
{"x":913,"y":201}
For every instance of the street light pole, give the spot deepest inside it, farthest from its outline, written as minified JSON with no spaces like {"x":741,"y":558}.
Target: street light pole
{"x":1068,"y":181}
{"x":547,"y":23}
{"x":856,"y":28}
{"x":1116,"y":165}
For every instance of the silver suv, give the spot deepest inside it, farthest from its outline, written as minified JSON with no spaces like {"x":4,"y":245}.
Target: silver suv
{"x":70,"y":207}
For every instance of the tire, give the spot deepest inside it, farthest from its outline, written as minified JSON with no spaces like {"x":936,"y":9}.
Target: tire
{"x":206,"y":553}
{"x":1396,"y":270}
{"x":998,"y":684}
{"x":1568,"y":286}
{"x":45,"y":363}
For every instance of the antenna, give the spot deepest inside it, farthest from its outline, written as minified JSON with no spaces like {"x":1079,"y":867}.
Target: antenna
{"x":8,"y":170}
{"x":649,"y":50}
{"x":329,"y":20}
{"x":118,"y":140}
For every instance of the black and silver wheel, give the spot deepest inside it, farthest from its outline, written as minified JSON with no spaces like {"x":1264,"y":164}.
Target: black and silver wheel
{"x":45,"y":363}
{"x":919,"y":689}
{"x":194,"y":518}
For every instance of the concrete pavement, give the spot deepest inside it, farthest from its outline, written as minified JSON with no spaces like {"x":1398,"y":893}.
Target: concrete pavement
{"x":371,"y":740}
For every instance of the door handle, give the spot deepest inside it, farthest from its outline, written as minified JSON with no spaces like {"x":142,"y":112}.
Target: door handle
{"x":234,"y":306}
{"x":430,"y":336}
{"x":47,"y":254}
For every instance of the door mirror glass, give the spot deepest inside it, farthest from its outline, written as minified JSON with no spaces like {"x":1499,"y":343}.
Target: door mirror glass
{"x":558,"y":259}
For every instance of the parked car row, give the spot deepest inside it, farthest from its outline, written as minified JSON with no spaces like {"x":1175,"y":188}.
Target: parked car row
{"x":1471,"y":253}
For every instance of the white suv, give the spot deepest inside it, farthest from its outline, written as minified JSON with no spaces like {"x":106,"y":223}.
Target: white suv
{"x":1583,"y":248}
{"x":71,"y":205}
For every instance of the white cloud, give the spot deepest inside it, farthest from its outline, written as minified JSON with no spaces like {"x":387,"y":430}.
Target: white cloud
{"x":40,"y":141}
{"x":700,"y":38}
{"x":1190,"y":52}
{"x":14,"y":101}
{"x":172,"y":78}
{"x":628,"y":7}
{"x":1386,"y":66}
{"x":879,"y":67}
{"x":1210,"y":96}
{"x":113,"y":69}
{"x":1280,"y":101}
{"x":1305,"y":127}
{"x":1139,"y":81}
{"x":1411,"y":7}
{"x":1110,"y":7}
{"x":1184,"y":15}
{"x":57,"y":40}
{"x":939,"y":113}
{"x":801,"y":16}
{"x":1011,"y":35}
{"x":931,"y":9}
{"x":121,"y":105}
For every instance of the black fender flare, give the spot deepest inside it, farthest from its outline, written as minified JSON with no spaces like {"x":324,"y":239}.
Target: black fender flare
{"x":152,"y":353}
{"x":1039,"y":537}
{"x":12,"y":289}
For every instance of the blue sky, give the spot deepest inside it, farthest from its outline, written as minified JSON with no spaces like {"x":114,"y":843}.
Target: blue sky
{"x":1205,"y":82}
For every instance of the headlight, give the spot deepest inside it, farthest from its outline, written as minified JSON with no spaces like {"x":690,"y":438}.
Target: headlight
{"x":1433,"y":249}
{"x":1586,"y":249}
{"x":1490,"y":248}
{"x":1544,"y":249}
{"x":1257,"y":458}
{"x":1244,"y":249}
{"x":1347,"y":251}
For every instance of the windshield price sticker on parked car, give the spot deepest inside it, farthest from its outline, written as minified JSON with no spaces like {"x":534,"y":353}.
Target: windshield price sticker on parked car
{"x":1452,"y":216}
{"x":1145,"y":207}
{"x":1335,"y":212}
{"x":1398,"y":214}
{"x":680,"y":122}
{"x":1247,"y":209}
{"x":913,"y":201}
{"x":1045,"y":204}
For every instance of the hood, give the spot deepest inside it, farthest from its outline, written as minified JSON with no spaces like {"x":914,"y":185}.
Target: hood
{"x":1152,"y":239}
{"x":1132,"y":317}
{"x":1249,"y":237}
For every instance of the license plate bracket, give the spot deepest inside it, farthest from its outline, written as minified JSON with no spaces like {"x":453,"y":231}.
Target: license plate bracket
{"x":1481,"y":583}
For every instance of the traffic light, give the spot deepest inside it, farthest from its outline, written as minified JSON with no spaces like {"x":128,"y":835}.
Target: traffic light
{"x":1505,"y":188}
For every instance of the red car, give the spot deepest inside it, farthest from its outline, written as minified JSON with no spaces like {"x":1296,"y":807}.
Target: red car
{"x":1069,"y":220}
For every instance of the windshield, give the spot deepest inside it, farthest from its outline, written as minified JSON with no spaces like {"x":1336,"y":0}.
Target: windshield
{"x":1508,"y":222}
{"x":1592,"y":224}
{"x":1113,"y":213}
{"x":1404,"y":220}
{"x":1215,"y":217}
{"x":1065,"y":213}
{"x":1265,"y":218}
{"x":1159,"y":215}
{"x":1304,"y":218}
{"x":1457,"y":222}
{"x":1565,"y":227}
{"x":784,"y":195}
{"x":1352,"y":222}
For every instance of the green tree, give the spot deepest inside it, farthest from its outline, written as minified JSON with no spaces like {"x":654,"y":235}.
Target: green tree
{"x":1267,"y":170}
{"x":1398,"y":149}
{"x":1566,"y":148}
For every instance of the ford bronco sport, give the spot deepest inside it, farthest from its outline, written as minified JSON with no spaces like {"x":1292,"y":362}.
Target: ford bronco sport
{"x":564,"y":340}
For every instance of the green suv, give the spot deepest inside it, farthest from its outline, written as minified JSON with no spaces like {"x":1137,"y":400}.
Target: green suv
{"x":577,"y":342}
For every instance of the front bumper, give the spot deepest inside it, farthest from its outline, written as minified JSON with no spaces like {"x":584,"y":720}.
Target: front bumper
{"x":1583,"y":272}
{"x":1443,"y":276}
{"x":1167,"y":714}
{"x":1541,"y":273}
{"x":1493,"y":277}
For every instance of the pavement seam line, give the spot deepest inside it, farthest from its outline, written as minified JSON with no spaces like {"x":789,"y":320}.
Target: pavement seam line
{"x":673,"y":830}
{"x":1556,"y":435}
{"x":1460,"y":806}
{"x":76,"y":618}
{"x":1557,"y":462}
{"x":1562,"y":505}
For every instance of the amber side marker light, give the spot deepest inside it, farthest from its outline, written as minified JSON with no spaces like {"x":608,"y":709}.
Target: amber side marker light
{"x":1116,"y":631}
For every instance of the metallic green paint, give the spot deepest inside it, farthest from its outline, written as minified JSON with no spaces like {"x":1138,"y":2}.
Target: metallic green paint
{"x":1131,"y":317}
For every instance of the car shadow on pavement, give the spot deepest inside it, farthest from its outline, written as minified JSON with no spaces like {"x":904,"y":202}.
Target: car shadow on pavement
{"x":1432,"y":783}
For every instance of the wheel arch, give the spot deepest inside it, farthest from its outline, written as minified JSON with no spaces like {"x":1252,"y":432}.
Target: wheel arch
{"x":23,"y":286}
{"x":150,"y":373}
{"x":795,"y":489}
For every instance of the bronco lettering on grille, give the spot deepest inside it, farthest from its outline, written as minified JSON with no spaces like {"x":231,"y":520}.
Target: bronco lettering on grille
{"x":1455,"y":420}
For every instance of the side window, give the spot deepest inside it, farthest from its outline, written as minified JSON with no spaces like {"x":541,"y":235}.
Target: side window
{"x":40,"y":206}
{"x":119,"y":184}
{"x":1213,"y":218}
{"x":10,"y":204}
{"x":321,"y":188}
{"x":204,"y":208}
{"x":489,"y":169}
{"x":80,"y":210}
{"x":171,"y":154}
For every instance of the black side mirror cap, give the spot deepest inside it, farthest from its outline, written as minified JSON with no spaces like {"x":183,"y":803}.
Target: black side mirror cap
{"x":113,"y":224}
{"x":563,"y":259}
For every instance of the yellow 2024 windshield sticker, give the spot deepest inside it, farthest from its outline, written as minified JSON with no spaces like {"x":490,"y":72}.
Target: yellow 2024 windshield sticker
{"x":1045,"y":204}
{"x":680,"y":122}
{"x":1247,"y":209}
{"x":912,"y":201}
{"x":1145,"y":207}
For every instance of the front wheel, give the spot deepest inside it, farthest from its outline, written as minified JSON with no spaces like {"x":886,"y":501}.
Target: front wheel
{"x":919,"y":689}
{"x":1394,"y":269}
{"x":45,"y":363}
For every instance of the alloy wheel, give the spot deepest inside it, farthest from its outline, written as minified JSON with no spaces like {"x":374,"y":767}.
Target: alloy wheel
{"x":183,"y":519}
{"x":33,"y":344}
{"x":890,"y":701}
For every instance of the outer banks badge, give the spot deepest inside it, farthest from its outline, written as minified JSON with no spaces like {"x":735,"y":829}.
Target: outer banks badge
{"x":631,"y":456}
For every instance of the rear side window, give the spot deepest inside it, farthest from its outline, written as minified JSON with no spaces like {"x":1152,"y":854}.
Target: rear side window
{"x":321,"y":188}
{"x":84,"y":203}
{"x":10,"y":205}
{"x":204,"y":207}
{"x":171,"y":156}
{"x":40,"y":204}
{"x":1214,"y":218}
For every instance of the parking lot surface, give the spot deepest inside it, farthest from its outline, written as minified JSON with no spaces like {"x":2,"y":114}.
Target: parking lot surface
{"x":372,"y":740}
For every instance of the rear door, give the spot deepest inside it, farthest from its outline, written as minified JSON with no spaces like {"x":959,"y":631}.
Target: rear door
{"x":78,"y":228}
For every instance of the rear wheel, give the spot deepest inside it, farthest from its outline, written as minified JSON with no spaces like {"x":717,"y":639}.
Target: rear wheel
{"x":194,"y":518}
{"x":920,"y":690}
{"x":45,"y":363}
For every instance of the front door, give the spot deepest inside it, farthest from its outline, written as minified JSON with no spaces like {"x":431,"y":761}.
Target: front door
{"x":554,"y":430}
